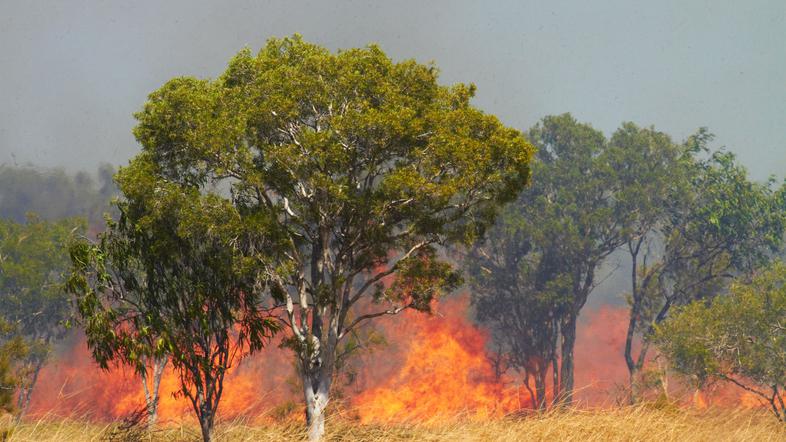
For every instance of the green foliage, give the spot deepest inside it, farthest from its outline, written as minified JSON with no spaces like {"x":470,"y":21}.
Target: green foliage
{"x":689,"y":218}
{"x":33,"y":258}
{"x":738,"y":338}
{"x":13,"y":351}
{"x":420,"y":279}
{"x":33,"y":301}
{"x":173,"y":276}
{"x":358,"y":164}
{"x":535,"y":269}
{"x":653,"y":175}
{"x":650,"y":170}
{"x":717,"y":224}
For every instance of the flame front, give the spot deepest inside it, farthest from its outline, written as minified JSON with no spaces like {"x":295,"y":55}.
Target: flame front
{"x":445,"y":373}
{"x":431,"y":367}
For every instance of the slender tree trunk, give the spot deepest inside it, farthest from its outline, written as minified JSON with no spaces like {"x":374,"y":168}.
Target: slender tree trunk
{"x":25,"y":393}
{"x":566,"y":351}
{"x":206,"y":425}
{"x":533,"y":400}
{"x":633,"y":368}
{"x":635,"y":313}
{"x":206,"y":415}
{"x":209,"y":386}
{"x":664,"y":379}
{"x":632,"y":323}
{"x":152,"y":391}
{"x":540,"y":387}
{"x":777,"y":401}
{"x":555,"y":385}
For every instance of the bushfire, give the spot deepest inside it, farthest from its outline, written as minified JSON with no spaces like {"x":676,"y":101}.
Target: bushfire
{"x":428,"y":367}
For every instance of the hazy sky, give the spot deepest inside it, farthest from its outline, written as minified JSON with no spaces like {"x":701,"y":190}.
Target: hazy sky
{"x":73,"y":72}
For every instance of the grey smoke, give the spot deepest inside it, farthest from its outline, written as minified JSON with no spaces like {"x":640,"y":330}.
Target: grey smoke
{"x":72,"y":73}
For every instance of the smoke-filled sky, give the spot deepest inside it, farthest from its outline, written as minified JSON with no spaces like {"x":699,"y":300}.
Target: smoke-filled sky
{"x":73,"y":72}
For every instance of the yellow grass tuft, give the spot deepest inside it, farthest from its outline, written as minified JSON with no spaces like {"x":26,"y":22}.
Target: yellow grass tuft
{"x":640,"y":423}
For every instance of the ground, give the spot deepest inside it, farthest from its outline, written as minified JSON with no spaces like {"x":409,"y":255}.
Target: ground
{"x":640,"y":423}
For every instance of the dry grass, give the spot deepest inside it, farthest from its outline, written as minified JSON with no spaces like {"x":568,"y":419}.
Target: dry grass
{"x":624,"y":424}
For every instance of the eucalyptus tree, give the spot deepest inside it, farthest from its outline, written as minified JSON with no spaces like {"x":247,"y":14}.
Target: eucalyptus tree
{"x":516,"y":293}
{"x":363,"y":165}
{"x":536,"y":270}
{"x":174,"y":277}
{"x":738,"y":338}
{"x":652,"y":180}
{"x":711,"y":221}
{"x":33,"y":301}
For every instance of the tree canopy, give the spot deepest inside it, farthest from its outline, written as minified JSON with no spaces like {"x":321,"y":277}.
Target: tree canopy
{"x":173,"y":277}
{"x":534,"y":272}
{"x":689,"y":219}
{"x":738,"y":338}
{"x":33,"y":302}
{"x":712,"y":225}
{"x":362,"y":165}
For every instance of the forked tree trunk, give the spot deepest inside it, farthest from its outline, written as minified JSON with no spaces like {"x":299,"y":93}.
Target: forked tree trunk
{"x":206,"y":395}
{"x":206,"y":414}
{"x":152,"y":391}
{"x":317,"y":365}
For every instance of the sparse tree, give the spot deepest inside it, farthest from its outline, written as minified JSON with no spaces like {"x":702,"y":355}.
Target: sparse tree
{"x":173,"y":278}
{"x":519,"y":299}
{"x":652,"y":175}
{"x":739,"y":338}
{"x":364,"y":166}
{"x":712,"y":224}
{"x":33,"y":301}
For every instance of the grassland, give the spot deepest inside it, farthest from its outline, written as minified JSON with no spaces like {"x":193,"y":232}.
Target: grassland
{"x":624,"y":424}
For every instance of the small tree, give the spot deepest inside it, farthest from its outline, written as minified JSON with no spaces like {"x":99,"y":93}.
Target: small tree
{"x":171,"y":278}
{"x":33,"y":301}
{"x":710,"y":221}
{"x":363,"y":165}
{"x":739,"y":338}
{"x":13,"y":351}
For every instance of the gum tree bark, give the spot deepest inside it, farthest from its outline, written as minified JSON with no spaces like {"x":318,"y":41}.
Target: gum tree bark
{"x":152,"y":390}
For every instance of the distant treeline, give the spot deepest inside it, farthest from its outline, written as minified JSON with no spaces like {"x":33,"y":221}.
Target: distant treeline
{"x":54,"y":193}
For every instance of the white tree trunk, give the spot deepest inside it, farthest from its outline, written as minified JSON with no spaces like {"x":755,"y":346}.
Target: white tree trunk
{"x":152,"y":393}
{"x":315,"y":414}
{"x":316,"y":389}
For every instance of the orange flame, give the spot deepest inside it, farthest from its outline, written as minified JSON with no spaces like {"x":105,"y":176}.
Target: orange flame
{"x":431,"y":367}
{"x":445,"y":372}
